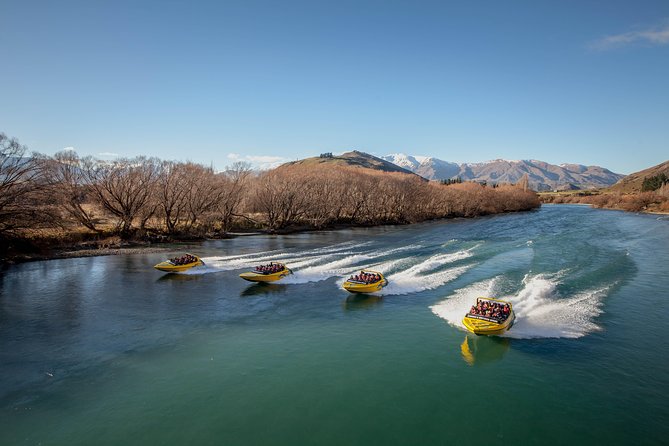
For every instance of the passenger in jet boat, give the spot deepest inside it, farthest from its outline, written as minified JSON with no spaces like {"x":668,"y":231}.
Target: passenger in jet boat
{"x":184,"y":260}
{"x":269,"y":269}
{"x":365,"y":277}
{"x":490,"y":309}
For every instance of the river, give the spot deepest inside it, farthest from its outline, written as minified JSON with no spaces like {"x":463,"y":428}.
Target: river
{"x":108,"y":351}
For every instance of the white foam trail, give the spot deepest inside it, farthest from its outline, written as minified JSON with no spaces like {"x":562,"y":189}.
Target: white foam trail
{"x":227,"y":265}
{"x":318,"y":259}
{"x":325,"y":271}
{"x":278,"y":254}
{"x":205,"y":269}
{"x":413,"y":279}
{"x":242,"y":256}
{"x":435,"y":262}
{"x":320,"y":263}
{"x":430,"y":264}
{"x":291,"y":259}
{"x":341,"y":267}
{"x":405,"y":284}
{"x":391,"y":265}
{"x":340,"y":247}
{"x":400,"y":249}
{"x":540,"y":312}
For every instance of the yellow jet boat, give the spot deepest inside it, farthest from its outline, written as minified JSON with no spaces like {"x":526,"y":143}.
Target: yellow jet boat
{"x":267,"y":273}
{"x":358,"y":284}
{"x":487,"y":325}
{"x":179,"y":264}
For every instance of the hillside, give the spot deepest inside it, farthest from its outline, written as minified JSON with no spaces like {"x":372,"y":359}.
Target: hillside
{"x":632,"y":182}
{"x":354,"y":158}
{"x":542,"y":175}
{"x":626,"y":194}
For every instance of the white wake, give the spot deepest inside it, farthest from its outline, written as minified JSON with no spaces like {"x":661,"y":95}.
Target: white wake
{"x":343,"y":265}
{"x":540,"y":311}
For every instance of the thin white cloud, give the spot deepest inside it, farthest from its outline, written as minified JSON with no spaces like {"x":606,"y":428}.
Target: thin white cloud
{"x":658,"y":35}
{"x":266,"y":162}
{"x":69,"y":149}
{"x":264,"y":159}
{"x":261,"y":162}
{"x":108,"y":155}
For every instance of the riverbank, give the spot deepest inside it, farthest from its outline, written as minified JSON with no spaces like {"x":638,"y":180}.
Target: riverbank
{"x":113,"y":245}
{"x":606,"y":209}
{"x":104,"y":247}
{"x":645,"y":202}
{"x":68,"y":254}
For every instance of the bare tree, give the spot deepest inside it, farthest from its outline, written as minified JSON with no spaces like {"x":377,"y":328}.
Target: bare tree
{"x":663,"y":191}
{"x":323,"y":188}
{"x":70,"y":187}
{"x":203,"y":192}
{"x":172,"y":193}
{"x":123,"y":187}
{"x":233,"y":183}
{"x":22,"y":188}
{"x":279,"y":196}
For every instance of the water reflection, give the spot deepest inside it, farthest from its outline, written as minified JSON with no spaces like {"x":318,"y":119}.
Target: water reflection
{"x":480,"y":350}
{"x":361,"y":302}
{"x":179,"y":277}
{"x":258,"y":289}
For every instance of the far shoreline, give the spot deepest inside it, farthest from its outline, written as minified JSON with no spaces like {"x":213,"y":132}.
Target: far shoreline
{"x":590,"y":205}
{"x":145,"y":247}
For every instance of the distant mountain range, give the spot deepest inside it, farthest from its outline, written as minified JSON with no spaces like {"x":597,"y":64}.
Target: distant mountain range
{"x":542,"y":175}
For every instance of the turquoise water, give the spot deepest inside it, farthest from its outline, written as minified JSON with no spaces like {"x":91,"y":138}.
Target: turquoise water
{"x":109,"y":351}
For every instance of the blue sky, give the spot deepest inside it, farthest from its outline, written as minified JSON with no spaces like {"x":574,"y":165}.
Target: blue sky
{"x":564,"y":81}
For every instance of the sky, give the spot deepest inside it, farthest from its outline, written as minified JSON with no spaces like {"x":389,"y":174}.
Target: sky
{"x":571,"y":81}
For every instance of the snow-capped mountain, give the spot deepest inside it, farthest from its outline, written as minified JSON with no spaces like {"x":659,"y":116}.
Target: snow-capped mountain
{"x":408,"y":162}
{"x":542,"y":175}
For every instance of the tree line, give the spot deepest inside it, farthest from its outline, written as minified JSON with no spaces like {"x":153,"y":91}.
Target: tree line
{"x":654,"y":182}
{"x":142,"y":197}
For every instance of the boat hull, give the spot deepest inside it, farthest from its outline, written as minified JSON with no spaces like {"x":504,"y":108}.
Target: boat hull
{"x":484,"y":326}
{"x":252,"y":276}
{"x":169,"y":267}
{"x":355,"y":287}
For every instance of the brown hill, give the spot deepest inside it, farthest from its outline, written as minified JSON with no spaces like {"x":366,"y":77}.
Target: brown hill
{"x":632,"y":182}
{"x":354,"y":158}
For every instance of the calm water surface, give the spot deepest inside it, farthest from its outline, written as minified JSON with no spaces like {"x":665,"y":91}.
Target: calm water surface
{"x":109,"y":351}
